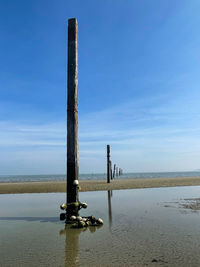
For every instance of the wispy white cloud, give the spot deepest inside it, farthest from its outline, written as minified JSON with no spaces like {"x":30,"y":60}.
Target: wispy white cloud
{"x":142,"y":139}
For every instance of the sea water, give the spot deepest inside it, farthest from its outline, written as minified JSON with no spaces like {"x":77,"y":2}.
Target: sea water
{"x":141,"y":227}
{"x":95,"y":176}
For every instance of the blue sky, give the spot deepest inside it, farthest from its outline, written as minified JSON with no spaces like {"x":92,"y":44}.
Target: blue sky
{"x":139,"y":65}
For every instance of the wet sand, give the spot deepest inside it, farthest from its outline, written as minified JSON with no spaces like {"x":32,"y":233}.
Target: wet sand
{"x":96,"y":185}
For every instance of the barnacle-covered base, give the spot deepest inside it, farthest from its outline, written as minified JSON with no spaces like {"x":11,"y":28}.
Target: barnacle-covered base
{"x":71,"y":216}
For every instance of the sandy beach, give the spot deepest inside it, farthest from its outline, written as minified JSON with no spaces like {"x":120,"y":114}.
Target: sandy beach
{"x":96,"y":185}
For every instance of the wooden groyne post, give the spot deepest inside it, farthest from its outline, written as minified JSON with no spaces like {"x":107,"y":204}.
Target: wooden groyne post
{"x":111,"y":177}
{"x":72,"y":117}
{"x":108,"y":163}
{"x":73,"y":204}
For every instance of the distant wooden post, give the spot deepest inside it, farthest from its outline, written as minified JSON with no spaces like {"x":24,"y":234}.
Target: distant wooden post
{"x":108,"y":163}
{"x":114,"y":169}
{"x":72,"y":116}
{"x":111,"y":170}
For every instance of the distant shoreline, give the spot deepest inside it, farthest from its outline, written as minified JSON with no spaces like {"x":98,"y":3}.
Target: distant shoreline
{"x":95,"y":176}
{"x":96,"y":185}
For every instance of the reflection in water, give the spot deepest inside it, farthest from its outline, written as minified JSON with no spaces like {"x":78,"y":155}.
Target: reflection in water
{"x":110,"y":208}
{"x":72,"y":242}
{"x":71,"y":245}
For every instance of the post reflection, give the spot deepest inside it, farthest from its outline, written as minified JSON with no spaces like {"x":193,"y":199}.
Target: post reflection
{"x":72,"y":242}
{"x":110,"y":208}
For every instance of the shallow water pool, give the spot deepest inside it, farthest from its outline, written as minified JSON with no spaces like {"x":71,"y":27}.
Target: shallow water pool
{"x":141,"y":227}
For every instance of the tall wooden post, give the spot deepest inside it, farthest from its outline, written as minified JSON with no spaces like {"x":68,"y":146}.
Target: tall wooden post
{"x":72,"y":116}
{"x":108,"y":163}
